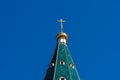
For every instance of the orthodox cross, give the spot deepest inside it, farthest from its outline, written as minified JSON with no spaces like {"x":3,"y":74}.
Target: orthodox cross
{"x":61,"y":24}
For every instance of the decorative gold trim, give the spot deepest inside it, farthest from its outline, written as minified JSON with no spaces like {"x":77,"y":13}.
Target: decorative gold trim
{"x":61,"y":35}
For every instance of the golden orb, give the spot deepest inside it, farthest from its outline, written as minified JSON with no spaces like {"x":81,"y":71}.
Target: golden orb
{"x":62,"y":35}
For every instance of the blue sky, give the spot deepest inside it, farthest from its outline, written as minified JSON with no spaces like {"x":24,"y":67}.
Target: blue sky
{"x":28,"y":29}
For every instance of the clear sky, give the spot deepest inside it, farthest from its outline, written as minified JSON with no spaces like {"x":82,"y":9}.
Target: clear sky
{"x":27,"y":37}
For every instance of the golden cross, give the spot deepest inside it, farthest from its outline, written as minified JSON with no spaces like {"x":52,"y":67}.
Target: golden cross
{"x":61,"y":24}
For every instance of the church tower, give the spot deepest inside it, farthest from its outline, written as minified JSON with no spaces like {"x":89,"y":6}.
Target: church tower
{"x":61,"y":66}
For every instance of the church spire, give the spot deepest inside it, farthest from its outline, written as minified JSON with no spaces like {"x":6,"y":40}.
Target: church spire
{"x":61,"y":37}
{"x":61,"y":66}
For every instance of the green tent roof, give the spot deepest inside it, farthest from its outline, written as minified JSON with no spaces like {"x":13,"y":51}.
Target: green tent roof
{"x":61,"y":66}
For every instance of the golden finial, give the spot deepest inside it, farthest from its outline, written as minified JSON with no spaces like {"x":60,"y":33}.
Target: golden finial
{"x":61,"y":24}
